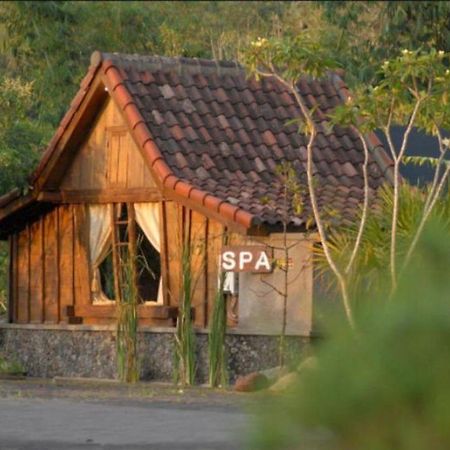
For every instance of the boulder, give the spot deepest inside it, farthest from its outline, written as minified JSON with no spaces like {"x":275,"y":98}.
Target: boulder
{"x":285,"y":382}
{"x":307,"y":364}
{"x":275,"y":373}
{"x":254,"y":381}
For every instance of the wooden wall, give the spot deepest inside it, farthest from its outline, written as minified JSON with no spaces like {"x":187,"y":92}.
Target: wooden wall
{"x":205,"y":237}
{"x":109,"y":159}
{"x":43,"y":267}
{"x":50,"y":267}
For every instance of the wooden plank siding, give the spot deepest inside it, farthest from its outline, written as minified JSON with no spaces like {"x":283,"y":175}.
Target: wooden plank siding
{"x":108,"y":159}
{"x":66,"y":259}
{"x":36,"y":272}
{"x":23,"y":272}
{"x":206,"y":241}
{"x":50,"y":266}
{"x":13,"y":279}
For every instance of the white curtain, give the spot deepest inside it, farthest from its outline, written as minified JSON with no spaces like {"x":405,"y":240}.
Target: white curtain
{"x":100,"y":227}
{"x":148,"y":218}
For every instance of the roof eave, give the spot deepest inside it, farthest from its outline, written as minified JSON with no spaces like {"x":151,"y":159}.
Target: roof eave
{"x":163,"y":174}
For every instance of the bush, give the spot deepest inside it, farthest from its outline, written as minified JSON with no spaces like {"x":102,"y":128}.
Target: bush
{"x":10,"y":367}
{"x":387,"y":387}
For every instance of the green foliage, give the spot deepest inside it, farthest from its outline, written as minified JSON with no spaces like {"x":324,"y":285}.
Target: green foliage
{"x":404,"y":80}
{"x":372,"y":261}
{"x":45,"y":49}
{"x":386,"y":388}
{"x":20,"y":136}
{"x":47,"y":45}
{"x":292,"y":56}
{"x":368,"y":33}
{"x":10,"y":367}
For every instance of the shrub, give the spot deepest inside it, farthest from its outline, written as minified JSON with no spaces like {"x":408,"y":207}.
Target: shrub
{"x":387,"y":387}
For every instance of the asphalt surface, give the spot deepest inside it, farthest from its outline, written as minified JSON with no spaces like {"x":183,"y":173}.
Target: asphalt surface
{"x":131,"y":424}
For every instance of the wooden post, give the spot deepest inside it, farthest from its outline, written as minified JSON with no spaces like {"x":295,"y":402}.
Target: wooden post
{"x":132,"y":241}
{"x":11,"y":280}
{"x":115,"y":254}
{"x":164,"y":257}
{"x":205,"y":275}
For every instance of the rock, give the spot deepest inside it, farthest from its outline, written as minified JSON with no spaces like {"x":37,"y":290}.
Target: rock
{"x":274,"y":373}
{"x":285,"y":382}
{"x":254,"y":381}
{"x":307,"y":364}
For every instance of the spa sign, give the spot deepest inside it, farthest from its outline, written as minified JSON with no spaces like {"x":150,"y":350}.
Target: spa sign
{"x":246,"y":258}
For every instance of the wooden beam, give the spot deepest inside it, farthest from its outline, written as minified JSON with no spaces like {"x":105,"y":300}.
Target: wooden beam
{"x":42,"y":238}
{"x":29,"y":272}
{"x":164,"y":257}
{"x":132,"y":244}
{"x":11,"y":280}
{"x":115,"y":255}
{"x":234,"y":226}
{"x":132,"y":195}
{"x":9,"y":197}
{"x":75,"y":320}
{"x":205,"y":277}
{"x":145,"y":311}
{"x":73,"y":135}
{"x":16,"y":205}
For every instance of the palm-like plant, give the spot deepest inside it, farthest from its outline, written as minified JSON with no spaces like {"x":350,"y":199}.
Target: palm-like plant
{"x":371,"y":266}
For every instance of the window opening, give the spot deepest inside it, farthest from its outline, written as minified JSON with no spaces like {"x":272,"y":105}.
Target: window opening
{"x":127,"y":243}
{"x":107,"y":276}
{"x":148,"y":267}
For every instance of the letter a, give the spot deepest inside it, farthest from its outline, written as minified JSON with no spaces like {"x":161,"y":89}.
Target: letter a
{"x":263,"y":261}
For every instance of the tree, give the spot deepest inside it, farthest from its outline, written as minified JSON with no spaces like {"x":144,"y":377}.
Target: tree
{"x":413,"y":91}
{"x":386,"y":390}
{"x":20,"y":136}
{"x":287,"y":59}
{"x":370,"y":32}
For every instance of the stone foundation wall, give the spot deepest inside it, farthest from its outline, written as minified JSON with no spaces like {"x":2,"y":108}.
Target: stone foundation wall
{"x":71,"y":352}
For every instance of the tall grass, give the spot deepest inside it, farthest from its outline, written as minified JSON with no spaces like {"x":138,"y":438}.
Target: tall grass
{"x":127,"y":324}
{"x":185,"y":337}
{"x":218,"y":376}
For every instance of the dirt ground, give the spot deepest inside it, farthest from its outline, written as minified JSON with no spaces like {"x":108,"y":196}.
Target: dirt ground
{"x":89,"y":389}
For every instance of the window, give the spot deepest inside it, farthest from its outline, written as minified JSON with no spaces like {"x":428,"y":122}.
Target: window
{"x":148,"y":268}
{"x":107,"y":277}
{"x":119,"y":234}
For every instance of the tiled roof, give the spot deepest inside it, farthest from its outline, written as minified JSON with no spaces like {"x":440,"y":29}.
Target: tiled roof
{"x":224,"y":134}
{"x":216,"y":138}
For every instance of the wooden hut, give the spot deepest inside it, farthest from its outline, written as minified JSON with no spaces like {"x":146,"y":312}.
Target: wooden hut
{"x":159,"y":154}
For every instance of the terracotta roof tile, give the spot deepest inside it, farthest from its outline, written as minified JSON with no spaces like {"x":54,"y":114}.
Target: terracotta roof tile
{"x":217,"y":137}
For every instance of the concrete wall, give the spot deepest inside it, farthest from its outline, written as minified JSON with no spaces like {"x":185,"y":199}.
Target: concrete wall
{"x":90,"y":351}
{"x":261,"y":308}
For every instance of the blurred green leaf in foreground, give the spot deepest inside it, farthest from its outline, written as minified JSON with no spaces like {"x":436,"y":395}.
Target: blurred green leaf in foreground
{"x":388,"y":388}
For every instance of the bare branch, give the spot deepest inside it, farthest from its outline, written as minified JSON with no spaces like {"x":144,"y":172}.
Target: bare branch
{"x":395,"y":208}
{"x":365,"y":203}
{"x":442,"y":152}
{"x":263,"y":281}
{"x":425,"y":218}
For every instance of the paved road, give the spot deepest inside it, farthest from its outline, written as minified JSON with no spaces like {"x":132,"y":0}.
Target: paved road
{"x":66,"y":424}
